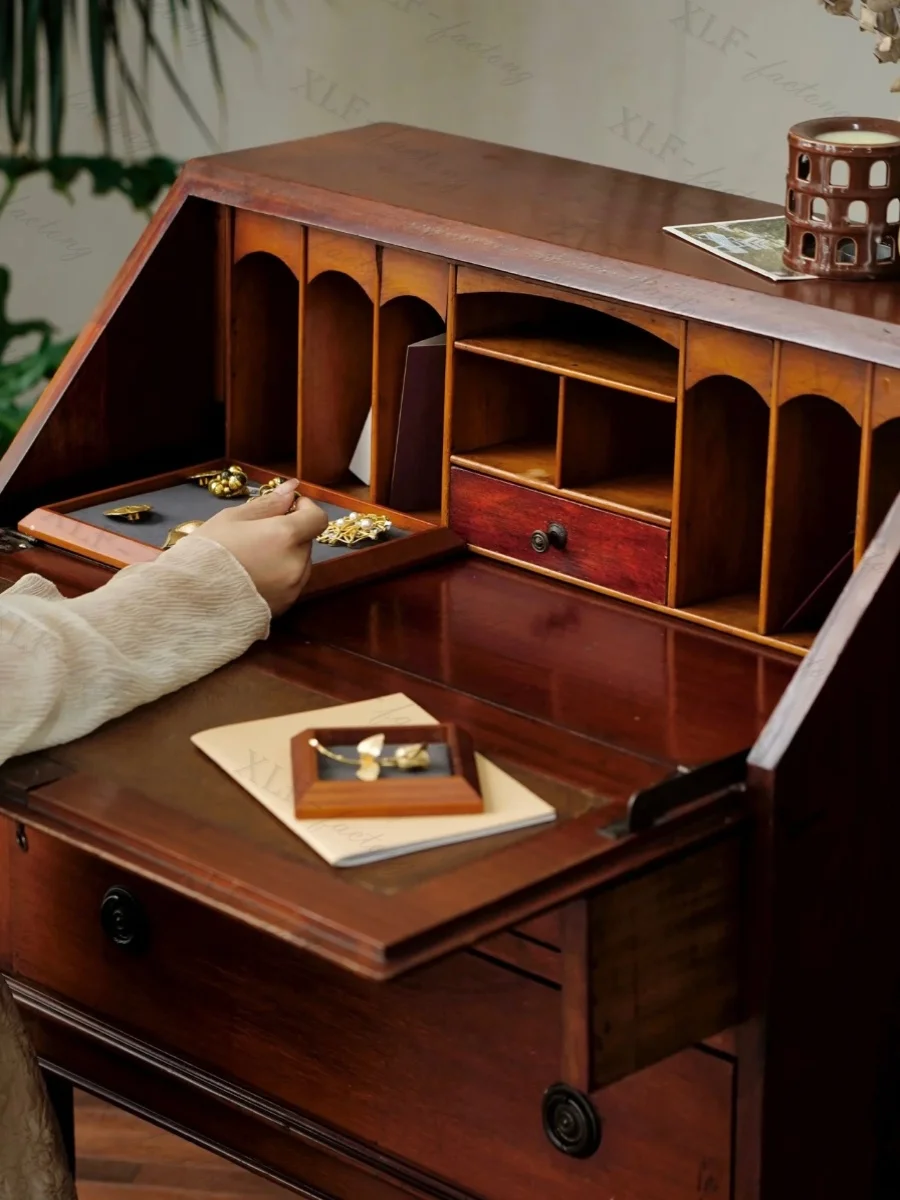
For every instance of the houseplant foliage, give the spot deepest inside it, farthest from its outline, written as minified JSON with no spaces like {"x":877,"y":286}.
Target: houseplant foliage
{"x":37,"y":40}
{"x":878,"y":17}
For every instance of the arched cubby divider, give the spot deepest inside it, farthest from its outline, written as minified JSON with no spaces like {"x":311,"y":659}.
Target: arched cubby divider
{"x":884,"y":476}
{"x":336,"y":379}
{"x":724,"y":450}
{"x":265,"y":304}
{"x":812,"y":513}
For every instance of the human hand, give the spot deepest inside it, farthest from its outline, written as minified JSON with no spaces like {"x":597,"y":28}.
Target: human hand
{"x":271,"y":543}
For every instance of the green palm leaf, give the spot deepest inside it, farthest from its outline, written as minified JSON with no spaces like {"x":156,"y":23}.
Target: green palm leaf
{"x":35,"y":34}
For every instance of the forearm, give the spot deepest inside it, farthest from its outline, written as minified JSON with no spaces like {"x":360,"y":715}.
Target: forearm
{"x":68,"y":666}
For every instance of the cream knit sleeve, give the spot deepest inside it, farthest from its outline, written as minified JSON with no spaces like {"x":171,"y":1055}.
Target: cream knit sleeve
{"x":67,"y":666}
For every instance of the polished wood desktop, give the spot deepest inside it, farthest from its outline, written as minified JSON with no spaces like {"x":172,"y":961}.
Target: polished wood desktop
{"x":685,"y":985}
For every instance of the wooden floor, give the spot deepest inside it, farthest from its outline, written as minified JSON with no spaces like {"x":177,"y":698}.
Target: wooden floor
{"x":122,"y":1158}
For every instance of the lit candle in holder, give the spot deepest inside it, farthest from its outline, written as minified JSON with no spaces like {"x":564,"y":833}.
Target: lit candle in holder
{"x":843,"y":187}
{"x":859,"y":137}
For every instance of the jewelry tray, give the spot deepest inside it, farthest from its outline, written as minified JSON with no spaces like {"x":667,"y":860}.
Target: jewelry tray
{"x":79,"y":525}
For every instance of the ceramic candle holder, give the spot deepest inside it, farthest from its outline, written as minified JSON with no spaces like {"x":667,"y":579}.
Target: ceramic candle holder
{"x":843,"y":198}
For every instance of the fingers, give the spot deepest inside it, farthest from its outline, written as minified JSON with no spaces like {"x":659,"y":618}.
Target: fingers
{"x":307,"y":521}
{"x":274,"y":504}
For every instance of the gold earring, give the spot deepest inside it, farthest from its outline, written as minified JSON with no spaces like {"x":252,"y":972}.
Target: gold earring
{"x":130,"y":512}
{"x":177,"y":532}
{"x":203,"y":478}
{"x":227,"y":485}
{"x":353,"y":529}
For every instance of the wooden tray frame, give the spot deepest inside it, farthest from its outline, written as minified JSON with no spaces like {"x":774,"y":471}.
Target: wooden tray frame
{"x":54,"y":525}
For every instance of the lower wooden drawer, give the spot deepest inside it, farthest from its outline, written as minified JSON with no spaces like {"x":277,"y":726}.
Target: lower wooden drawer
{"x":444,"y":1069}
{"x":602,"y":548}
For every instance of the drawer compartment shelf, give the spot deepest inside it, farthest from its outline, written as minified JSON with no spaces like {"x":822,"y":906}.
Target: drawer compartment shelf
{"x":642,"y":368}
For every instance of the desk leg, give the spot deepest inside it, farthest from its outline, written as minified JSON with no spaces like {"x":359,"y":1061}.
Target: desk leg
{"x":62,"y":1101}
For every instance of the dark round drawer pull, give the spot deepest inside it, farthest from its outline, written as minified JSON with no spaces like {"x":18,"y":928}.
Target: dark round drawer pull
{"x":571,"y":1122}
{"x":123,"y":919}
{"x":555,"y":536}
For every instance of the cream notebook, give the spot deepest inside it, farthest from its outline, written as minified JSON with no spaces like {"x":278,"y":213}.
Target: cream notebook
{"x":257,"y":754}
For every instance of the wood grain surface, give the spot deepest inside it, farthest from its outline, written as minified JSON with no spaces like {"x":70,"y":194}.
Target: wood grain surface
{"x":123,"y":1158}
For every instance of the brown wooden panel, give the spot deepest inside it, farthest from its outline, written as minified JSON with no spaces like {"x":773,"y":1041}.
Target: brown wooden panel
{"x":335,"y":380}
{"x":524,"y":955}
{"x":617,"y":448}
{"x":880,"y":476}
{"x":805,"y":372}
{"x":640,"y":370}
{"x":7,"y":849}
{"x":101,"y":545}
{"x":577,"y":1041}
{"x":224,"y":263}
{"x":138,"y":396}
{"x":724,"y":454}
{"x":602,"y":548}
{"x":714,"y":350}
{"x":824,"y":891}
{"x":405,"y":274}
{"x":402,"y":320}
{"x":349,"y":256}
{"x":885,"y":396}
{"x":265,"y":350}
{"x":471,"y":279}
{"x":562,"y":223}
{"x":546,"y":928}
{"x":811,"y":506}
{"x":444,"y":1070}
{"x":256,"y":233}
{"x":664,"y":953}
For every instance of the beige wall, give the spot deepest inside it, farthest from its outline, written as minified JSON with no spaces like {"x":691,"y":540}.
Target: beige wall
{"x":666,"y":87}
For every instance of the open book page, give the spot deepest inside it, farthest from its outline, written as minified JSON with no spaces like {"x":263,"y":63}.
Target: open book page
{"x":257,"y":754}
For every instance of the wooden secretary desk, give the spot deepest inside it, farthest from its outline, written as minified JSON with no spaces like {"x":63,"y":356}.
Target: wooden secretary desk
{"x":659,"y":584}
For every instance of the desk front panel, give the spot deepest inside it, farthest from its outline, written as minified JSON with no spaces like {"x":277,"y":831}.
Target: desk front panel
{"x":444,"y":1069}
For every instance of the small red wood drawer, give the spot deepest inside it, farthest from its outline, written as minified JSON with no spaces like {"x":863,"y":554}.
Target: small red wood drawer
{"x":603,"y":548}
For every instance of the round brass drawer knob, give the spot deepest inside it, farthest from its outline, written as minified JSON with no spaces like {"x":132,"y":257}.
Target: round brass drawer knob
{"x":122,"y":919}
{"x":555,"y":535}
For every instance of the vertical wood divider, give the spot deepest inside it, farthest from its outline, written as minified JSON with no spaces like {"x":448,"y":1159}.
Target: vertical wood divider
{"x":576,"y":997}
{"x":774,"y":412}
{"x":449,"y":371}
{"x":6,"y":899}
{"x":560,"y":432}
{"x":865,"y":470}
{"x":376,"y":375}
{"x":672,"y":587}
{"x":302,"y":284}
{"x":224,"y":255}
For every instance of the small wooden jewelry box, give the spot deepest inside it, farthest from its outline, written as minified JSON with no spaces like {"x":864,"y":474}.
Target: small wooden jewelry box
{"x":325,"y":788}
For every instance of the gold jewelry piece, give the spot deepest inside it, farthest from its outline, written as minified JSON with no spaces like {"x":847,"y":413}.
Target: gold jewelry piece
{"x":130,"y":512}
{"x":227,"y":485}
{"x":354,"y":528}
{"x":203,"y":478}
{"x":265,"y":488}
{"x":371,"y":762}
{"x":177,"y":532}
